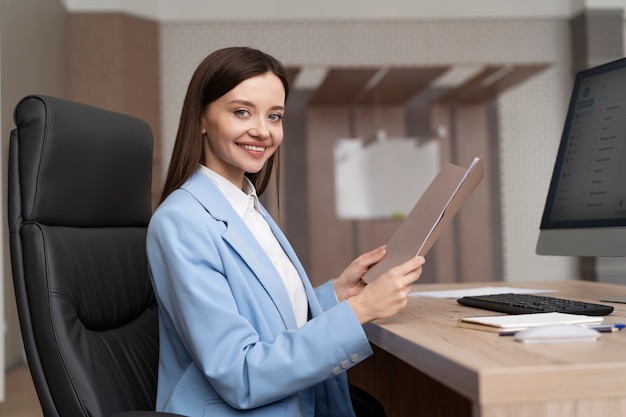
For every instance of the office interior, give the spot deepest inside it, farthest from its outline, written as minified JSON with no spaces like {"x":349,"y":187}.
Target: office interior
{"x":485,"y":79}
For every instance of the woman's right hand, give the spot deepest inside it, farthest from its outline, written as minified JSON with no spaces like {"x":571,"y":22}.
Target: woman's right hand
{"x":388,"y":294}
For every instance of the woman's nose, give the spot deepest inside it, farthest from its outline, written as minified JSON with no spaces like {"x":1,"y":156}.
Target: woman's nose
{"x":260,"y":129}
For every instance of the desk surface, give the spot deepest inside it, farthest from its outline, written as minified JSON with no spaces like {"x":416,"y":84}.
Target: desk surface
{"x":489,"y":369}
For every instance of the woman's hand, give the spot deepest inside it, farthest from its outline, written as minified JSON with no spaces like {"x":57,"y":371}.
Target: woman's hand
{"x":349,"y":283}
{"x":388,"y":294}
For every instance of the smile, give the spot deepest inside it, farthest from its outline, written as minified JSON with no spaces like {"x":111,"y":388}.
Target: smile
{"x":253,"y":148}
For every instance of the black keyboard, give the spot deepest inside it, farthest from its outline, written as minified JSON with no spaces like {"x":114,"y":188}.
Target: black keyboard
{"x":532,"y":303}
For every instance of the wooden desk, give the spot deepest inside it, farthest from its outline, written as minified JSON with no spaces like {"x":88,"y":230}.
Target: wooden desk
{"x":426,"y":365}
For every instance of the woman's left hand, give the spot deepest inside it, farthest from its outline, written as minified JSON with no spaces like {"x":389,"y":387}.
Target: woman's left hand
{"x":349,"y":283}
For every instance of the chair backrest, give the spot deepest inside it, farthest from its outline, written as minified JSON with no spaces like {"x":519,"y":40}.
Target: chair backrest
{"x":79,"y":206}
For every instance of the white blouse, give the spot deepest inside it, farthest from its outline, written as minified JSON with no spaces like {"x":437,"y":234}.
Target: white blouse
{"x":246,"y":204}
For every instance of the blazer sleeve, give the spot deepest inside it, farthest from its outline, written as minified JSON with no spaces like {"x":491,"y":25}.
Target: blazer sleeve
{"x":227,"y":326}
{"x":326,"y":295}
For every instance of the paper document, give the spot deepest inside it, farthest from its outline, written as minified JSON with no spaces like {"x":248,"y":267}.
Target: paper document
{"x":441,"y":200}
{"x":524,"y":321}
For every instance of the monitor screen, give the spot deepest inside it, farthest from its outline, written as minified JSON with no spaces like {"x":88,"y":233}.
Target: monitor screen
{"x":585,"y":210}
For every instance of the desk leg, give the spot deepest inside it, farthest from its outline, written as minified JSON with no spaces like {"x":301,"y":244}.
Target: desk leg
{"x":404,"y":391}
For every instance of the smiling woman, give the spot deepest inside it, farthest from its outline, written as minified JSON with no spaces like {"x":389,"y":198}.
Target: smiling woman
{"x":216,"y":76}
{"x":243,"y":128}
{"x":242,"y":330}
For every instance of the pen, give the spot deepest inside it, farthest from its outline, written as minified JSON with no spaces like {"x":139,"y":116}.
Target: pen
{"x":602,"y":328}
{"x":606,"y":328}
{"x":508,"y":332}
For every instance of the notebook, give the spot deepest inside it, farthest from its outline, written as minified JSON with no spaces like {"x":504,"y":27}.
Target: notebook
{"x":524,"y":321}
{"x":431,"y":214}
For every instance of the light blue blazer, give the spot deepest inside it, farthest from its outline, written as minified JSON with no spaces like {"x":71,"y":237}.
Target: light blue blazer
{"x":229,"y":344}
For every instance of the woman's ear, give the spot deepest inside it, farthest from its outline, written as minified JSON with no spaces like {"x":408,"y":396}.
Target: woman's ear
{"x":202,"y":125}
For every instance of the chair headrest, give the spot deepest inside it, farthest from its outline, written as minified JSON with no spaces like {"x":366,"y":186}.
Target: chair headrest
{"x":79,"y":165}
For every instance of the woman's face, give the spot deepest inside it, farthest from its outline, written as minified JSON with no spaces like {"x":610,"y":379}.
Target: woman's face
{"x":244,"y":127}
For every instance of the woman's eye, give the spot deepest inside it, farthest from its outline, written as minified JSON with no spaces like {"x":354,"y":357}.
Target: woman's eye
{"x":276,"y":117}
{"x":242,"y":113}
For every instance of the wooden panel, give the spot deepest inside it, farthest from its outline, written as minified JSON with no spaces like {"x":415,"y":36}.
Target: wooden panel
{"x":342,"y":86}
{"x":331,"y":245}
{"x":509,"y":78}
{"x":490,"y":82}
{"x":405,"y":391}
{"x":113,"y":63}
{"x":474,"y":219}
{"x":401,"y":84}
{"x":470,"y":85}
{"x":294,"y":207}
{"x":576,"y":408}
{"x":443,"y":254}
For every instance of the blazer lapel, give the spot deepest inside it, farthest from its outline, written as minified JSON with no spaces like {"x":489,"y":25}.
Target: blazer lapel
{"x":239,"y":237}
{"x":314,"y":306}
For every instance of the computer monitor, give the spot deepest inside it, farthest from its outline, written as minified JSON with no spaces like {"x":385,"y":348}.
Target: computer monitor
{"x":585,"y":210}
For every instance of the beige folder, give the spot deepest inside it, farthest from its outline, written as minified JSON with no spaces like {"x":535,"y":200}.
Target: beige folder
{"x":431,"y":214}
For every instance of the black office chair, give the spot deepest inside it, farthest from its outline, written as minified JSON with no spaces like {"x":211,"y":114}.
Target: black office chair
{"x":79,"y":206}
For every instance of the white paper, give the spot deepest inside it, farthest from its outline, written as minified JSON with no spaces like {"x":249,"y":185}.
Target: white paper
{"x":382,"y":179}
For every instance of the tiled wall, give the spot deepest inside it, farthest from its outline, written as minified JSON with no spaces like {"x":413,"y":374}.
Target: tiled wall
{"x":531,"y":115}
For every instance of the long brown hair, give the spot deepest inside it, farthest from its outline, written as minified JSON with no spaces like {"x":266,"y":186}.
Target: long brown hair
{"x":216,"y":75}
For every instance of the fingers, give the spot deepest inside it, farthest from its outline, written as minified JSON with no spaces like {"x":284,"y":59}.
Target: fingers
{"x":372,"y":257}
{"x":388,"y":295}
{"x":411,"y":269}
{"x":407,"y":272}
{"x":410,"y":265}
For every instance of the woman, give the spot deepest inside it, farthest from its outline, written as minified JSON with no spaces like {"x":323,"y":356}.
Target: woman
{"x":242,"y":332}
